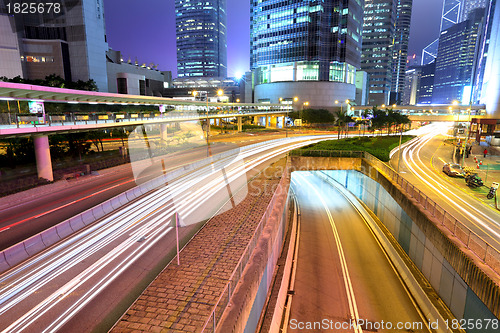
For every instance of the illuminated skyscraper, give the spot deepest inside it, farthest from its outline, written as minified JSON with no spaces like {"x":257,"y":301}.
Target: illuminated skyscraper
{"x":400,"y":52}
{"x":301,"y":46}
{"x":201,"y":38}
{"x":455,"y":61}
{"x":379,"y":32}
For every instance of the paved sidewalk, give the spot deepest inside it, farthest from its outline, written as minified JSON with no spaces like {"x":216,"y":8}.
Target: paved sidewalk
{"x":182,"y":297}
{"x":489,"y":171}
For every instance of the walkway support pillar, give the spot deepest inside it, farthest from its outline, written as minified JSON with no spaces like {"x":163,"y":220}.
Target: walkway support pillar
{"x":164,"y":133}
{"x":267,"y":122}
{"x":43,"y":160}
{"x":274,"y":122}
{"x":240,"y":124}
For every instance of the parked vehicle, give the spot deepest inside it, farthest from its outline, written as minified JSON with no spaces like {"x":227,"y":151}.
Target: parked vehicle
{"x":493,"y":190}
{"x":473,"y":180}
{"x":453,"y":170}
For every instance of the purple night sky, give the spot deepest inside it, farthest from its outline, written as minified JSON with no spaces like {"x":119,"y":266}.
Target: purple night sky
{"x":146,"y":30}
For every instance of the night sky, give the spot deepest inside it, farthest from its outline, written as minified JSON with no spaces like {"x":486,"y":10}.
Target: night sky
{"x":146,"y":30}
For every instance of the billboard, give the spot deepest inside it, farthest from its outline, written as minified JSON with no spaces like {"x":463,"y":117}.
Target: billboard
{"x":37,"y":107}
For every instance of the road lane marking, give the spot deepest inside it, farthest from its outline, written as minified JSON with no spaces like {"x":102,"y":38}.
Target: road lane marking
{"x":351,"y":299}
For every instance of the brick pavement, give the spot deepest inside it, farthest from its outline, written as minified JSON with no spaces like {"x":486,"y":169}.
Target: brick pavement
{"x":182,"y":297}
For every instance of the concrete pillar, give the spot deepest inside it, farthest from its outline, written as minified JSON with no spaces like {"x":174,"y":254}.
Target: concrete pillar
{"x":283,"y":124}
{"x":267,"y":121}
{"x":256,"y":120}
{"x":163,"y":133}
{"x":274,"y":122}
{"x":240,"y":124}
{"x":42,"y":153}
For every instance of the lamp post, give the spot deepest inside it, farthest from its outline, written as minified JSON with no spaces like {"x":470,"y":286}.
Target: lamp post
{"x":303,"y":105}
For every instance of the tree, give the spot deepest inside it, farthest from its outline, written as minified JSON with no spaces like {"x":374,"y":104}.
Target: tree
{"x":343,"y":120}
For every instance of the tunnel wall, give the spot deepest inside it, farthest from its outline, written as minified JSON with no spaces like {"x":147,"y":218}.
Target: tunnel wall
{"x":461,"y":283}
{"x":452,"y":289}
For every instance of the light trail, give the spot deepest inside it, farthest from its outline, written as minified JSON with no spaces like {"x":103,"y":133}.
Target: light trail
{"x":351,"y":299}
{"x":111,"y":245}
{"x":474,"y":215}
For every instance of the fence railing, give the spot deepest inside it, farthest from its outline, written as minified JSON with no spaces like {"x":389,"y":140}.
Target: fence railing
{"x":222,"y":302}
{"x":78,"y":118}
{"x":472,"y":241}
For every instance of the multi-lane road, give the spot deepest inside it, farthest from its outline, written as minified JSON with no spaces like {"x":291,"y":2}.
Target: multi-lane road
{"x":91,"y":272}
{"x":421,"y":164}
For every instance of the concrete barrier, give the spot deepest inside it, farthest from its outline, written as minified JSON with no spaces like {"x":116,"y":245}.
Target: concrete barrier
{"x":34,"y":245}
{"x":76,"y":223}
{"x":49,"y":237}
{"x":87,"y":217}
{"x":4,"y":265}
{"x":107,"y":207}
{"x":64,"y":229}
{"x":98,"y":212}
{"x":130,"y":195}
{"x":16,"y":254}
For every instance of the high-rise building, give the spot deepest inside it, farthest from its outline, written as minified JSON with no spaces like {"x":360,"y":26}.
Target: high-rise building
{"x":426,"y":83}
{"x":489,"y":72}
{"x":455,"y":62}
{"x":412,"y":81}
{"x":469,"y":5}
{"x":400,"y":51}
{"x":69,"y":41}
{"x":379,"y":31}
{"x":201,"y":38}
{"x":306,"y":49}
{"x":454,"y":12}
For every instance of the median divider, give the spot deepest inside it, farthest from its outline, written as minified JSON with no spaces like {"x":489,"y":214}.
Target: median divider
{"x":76,"y":223}
{"x":64,"y":229}
{"x":49,"y":237}
{"x":18,"y":252}
{"x":34,"y":245}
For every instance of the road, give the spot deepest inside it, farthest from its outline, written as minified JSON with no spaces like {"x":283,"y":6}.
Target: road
{"x":29,"y":215}
{"x":422,"y":163}
{"x":343,"y":275}
{"x":76,"y":284}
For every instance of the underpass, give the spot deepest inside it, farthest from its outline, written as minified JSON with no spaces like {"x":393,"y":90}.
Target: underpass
{"x":345,"y":281}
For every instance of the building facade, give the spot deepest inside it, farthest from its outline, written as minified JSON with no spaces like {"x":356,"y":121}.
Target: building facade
{"x":456,"y":60}
{"x":305,"y":49}
{"x":132,"y":78}
{"x":489,"y":91}
{"x":400,"y":52}
{"x":426,"y":83}
{"x":379,"y":29}
{"x":201,"y":38}
{"x":70,"y":42}
{"x":411,"y":86}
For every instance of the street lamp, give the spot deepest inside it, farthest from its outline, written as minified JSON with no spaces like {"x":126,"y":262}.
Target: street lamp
{"x":306,"y":103}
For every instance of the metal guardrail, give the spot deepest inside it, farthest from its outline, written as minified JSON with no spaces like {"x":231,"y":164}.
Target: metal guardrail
{"x":472,"y":241}
{"x":222,"y":302}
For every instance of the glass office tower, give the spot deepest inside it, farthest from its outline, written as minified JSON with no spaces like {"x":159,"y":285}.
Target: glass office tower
{"x":379,"y":31}
{"x":305,"y":40}
{"x":400,"y":52}
{"x":201,"y":38}
{"x":455,"y":62}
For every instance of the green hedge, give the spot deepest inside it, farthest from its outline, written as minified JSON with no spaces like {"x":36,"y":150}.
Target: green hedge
{"x":379,"y":147}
